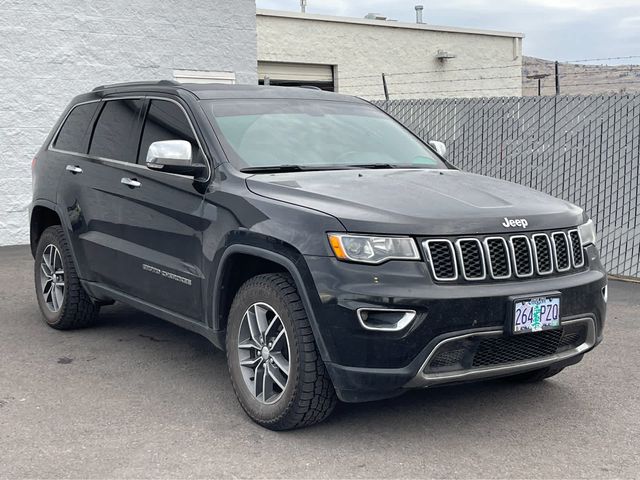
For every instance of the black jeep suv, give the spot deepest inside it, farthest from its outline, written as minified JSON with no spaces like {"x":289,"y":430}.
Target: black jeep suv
{"x":327,"y":249}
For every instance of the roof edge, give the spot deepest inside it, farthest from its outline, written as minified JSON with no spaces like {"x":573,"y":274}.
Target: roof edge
{"x":384,"y":23}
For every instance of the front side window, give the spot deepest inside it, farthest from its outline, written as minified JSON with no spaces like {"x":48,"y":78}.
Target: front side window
{"x":312,"y":133}
{"x":115,"y":135}
{"x":166,"y":121}
{"x":74,"y":132}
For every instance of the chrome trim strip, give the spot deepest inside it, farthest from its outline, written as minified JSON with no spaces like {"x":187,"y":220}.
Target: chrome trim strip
{"x":513,"y":253}
{"x":429,"y":379}
{"x":507,"y":256}
{"x":555,"y":252}
{"x":453,"y":259}
{"x":462,"y":263}
{"x":409,"y":316}
{"x":131,"y":164}
{"x":535,"y":253}
{"x":573,"y":260}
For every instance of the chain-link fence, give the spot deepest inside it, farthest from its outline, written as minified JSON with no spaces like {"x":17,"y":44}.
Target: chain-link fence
{"x":582,"y":149}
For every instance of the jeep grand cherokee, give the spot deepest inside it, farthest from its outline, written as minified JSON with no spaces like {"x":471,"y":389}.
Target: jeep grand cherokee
{"x":329,"y":251}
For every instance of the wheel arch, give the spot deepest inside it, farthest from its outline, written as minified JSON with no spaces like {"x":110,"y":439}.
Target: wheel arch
{"x":43,"y":216}
{"x":291,"y":264}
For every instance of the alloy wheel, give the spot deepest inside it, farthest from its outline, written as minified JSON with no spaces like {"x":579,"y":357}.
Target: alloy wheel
{"x":264,"y":353}
{"x":52,"y":278}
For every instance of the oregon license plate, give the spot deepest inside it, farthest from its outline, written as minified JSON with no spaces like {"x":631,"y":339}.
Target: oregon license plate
{"x":536,"y":314}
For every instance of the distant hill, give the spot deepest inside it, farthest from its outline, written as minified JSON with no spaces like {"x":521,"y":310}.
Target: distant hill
{"x":577,"y":79}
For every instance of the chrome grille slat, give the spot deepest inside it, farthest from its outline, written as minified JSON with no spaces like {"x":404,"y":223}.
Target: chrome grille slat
{"x":498,"y":257}
{"x":442,"y":258}
{"x":504,"y":257}
{"x":561,"y":251}
{"x":577,"y":254}
{"x":471,"y":259}
{"x":542,"y":253}
{"x":522,"y":256}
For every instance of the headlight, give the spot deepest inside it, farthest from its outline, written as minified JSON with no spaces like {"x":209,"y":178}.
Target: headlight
{"x":366,"y":249}
{"x":588,"y":233}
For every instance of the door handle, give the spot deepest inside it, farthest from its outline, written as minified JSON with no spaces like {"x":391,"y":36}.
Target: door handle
{"x":73,"y":169}
{"x":130,"y":182}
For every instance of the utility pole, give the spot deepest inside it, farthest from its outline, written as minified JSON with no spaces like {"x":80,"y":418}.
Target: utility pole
{"x":557,"y":78}
{"x":384,"y":84}
{"x":303,"y":6}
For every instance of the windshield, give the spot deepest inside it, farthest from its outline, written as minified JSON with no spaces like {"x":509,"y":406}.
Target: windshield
{"x":310,"y":133}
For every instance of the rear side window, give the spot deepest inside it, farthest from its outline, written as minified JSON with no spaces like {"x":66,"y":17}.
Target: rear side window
{"x":115,"y":135}
{"x":166,"y":121}
{"x":75,"y":130}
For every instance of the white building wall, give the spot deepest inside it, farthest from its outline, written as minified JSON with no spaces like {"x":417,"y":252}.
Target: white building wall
{"x":361,"y":50}
{"x":52,"y":50}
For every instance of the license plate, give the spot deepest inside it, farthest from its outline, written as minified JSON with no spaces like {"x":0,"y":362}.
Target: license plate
{"x":536,"y":314}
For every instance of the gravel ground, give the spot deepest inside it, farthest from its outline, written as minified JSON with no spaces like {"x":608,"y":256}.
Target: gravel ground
{"x":136,"y":397}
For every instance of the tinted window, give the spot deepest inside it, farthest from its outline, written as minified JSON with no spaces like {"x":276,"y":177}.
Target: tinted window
{"x":73,"y":134}
{"x":115,"y":134}
{"x":166,"y":121}
{"x":274,"y":132}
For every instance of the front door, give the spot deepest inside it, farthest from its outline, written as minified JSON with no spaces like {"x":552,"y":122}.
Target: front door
{"x":162,"y":224}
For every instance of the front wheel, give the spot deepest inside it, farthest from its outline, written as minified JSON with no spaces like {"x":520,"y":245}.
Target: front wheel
{"x":275,"y":368}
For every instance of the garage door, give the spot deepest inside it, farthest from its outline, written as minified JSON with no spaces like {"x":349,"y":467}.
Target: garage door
{"x":296,"y":74}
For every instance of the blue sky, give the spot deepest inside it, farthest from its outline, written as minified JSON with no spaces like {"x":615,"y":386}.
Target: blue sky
{"x":555,"y":29}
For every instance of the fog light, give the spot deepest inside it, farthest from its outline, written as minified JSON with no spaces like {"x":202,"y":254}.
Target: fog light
{"x":385,"y":319}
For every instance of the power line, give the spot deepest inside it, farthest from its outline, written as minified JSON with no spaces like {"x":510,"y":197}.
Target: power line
{"x":474,"y":79}
{"x":511,"y":88}
{"x":628,"y":57}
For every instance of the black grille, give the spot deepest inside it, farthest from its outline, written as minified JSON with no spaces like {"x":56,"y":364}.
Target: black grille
{"x":498,"y":257}
{"x":447,"y":359}
{"x":522,"y":256}
{"x":543,"y":254}
{"x":472,"y":259}
{"x":442,"y":259}
{"x":569,"y":339}
{"x":500,"y":350}
{"x":504,"y":257}
{"x":562,"y":251}
{"x":576,"y":248}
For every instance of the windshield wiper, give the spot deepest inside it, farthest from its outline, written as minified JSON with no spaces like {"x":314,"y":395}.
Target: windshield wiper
{"x":293,"y":168}
{"x":372,"y":165}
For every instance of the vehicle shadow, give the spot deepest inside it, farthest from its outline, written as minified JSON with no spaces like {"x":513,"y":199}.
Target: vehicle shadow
{"x":478,"y":408}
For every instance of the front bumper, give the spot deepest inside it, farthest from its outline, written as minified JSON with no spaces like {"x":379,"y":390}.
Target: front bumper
{"x":368,"y":365}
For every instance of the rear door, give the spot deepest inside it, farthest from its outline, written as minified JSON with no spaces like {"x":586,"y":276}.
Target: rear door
{"x":89,"y":189}
{"x":161,"y":219}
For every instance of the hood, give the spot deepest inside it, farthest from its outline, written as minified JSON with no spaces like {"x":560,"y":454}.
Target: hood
{"x":418,"y":202}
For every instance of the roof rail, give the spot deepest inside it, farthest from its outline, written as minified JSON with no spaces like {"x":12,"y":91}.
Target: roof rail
{"x":158,"y":83}
{"x":310,"y":87}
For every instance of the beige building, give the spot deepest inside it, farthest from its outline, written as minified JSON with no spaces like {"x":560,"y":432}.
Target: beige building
{"x":349,"y":55}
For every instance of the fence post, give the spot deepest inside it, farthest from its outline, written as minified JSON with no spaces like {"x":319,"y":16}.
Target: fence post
{"x":384,"y":84}
{"x":557,"y":78}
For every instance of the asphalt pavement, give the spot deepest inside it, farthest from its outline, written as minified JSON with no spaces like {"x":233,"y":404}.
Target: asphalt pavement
{"x":135,"y":397}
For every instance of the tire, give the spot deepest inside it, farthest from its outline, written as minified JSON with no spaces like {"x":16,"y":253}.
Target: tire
{"x":536,"y":375}
{"x":308,"y":396}
{"x":71,"y":308}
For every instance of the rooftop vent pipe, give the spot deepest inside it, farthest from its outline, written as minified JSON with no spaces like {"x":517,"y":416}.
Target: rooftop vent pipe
{"x":419,"y":9}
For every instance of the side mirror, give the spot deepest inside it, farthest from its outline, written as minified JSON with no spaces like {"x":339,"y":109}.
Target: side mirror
{"x":439,"y":147}
{"x":174,"y":156}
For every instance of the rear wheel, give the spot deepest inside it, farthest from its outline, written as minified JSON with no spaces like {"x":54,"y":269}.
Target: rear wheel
{"x":62,"y":299}
{"x":275,"y":368}
{"x":536,"y":375}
